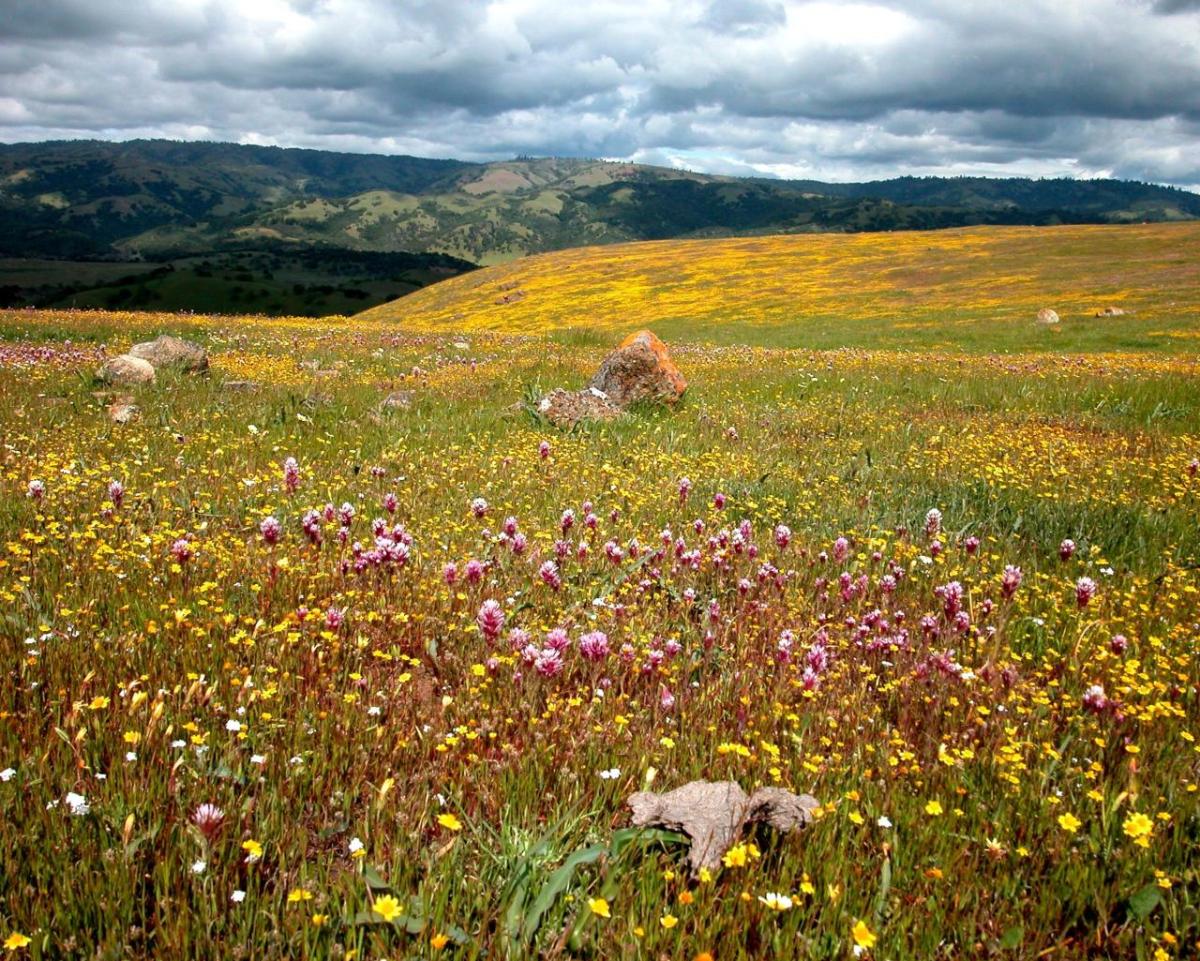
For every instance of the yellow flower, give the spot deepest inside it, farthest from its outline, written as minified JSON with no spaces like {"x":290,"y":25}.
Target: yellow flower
{"x":449,"y":822}
{"x":253,"y":850}
{"x":387,"y":907}
{"x":599,"y":907}
{"x":99,"y":703}
{"x":320,"y":920}
{"x":933,"y":808}
{"x":438,"y":941}
{"x":668,"y":921}
{"x":1139,"y":827}
{"x":300,"y":894}
{"x":856,"y":818}
{"x":1069,"y":822}
{"x":16,"y":940}
{"x":862,"y":935}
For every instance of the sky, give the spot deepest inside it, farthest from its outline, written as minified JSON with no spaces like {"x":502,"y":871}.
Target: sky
{"x":790,"y":88}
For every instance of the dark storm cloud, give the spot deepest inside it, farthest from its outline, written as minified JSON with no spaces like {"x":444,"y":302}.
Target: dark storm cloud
{"x":813,"y":89}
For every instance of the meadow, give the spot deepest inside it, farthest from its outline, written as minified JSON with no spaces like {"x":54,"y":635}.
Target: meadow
{"x":290,"y":674}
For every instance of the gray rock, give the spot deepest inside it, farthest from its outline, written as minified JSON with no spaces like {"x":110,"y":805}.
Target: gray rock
{"x":126,"y":370}
{"x":168,"y":351}
{"x":1047,"y":316}
{"x":714,"y":813}
{"x":566,"y":408}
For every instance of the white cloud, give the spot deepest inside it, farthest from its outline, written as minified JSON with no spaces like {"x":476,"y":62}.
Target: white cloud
{"x":808,"y":88}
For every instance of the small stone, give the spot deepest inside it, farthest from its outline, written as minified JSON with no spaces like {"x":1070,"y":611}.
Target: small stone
{"x":1047,"y":316}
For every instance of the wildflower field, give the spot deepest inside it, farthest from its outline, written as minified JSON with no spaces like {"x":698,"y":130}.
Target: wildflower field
{"x":290,"y":674}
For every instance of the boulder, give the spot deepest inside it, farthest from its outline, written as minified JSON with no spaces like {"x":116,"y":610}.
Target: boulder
{"x":168,"y":351}
{"x":1047,"y":316}
{"x":714,"y":813}
{"x":1110,"y":312}
{"x":639,"y":369}
{"x":126,"y":370}
{"x":566,"y":408}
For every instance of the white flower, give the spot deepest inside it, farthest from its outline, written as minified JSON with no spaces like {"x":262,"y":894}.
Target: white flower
{"x":776,"y":902}
{"x":7,"y":774}
{"x":77,"y":803}
{"x":884,"y":821}
{"x":130,"y":756}
{"x":611,"y":774}
{"x":356,"y":845}
{"x":178,"y":743}
{"x":198,"y":867}
{"x":232,"y":725}
{"x":258,"y":759}
{"x":373,"y":710}
{"x":237,"y":897}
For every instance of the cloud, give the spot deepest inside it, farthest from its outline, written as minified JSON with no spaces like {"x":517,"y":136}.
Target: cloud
{"x":810,"y":88}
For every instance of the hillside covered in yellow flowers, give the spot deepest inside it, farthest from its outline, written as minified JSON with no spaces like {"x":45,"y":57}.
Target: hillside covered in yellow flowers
{"x":975,"y":288}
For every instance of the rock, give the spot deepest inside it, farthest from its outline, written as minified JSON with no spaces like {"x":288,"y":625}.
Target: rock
{"x":1110,"y":312}
{"x":1047,"y":316}
{"x":168,"y":351}
{"x":242,"y":386}
{"x":639,"y":369}
{"x":461,"y":345}
{"x":566,"y":408}
{"x":512,"y":297}
{"x":713,"y":814}
{"x":126,"y":370}
{"x":398,"y":400}
{"x":122,"y":410}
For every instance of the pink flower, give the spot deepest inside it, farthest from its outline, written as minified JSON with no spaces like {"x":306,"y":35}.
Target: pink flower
{"x":665,"y":698}
{"x":450,"y":573}
{"x":1085,"y":590}
{"x":558,"y":640}
{"x":567,"y":521}
{"x":390,"y":503}
{"x":971,"y":544}
{"x":544,"y":449}
{"x":490,"y":619}
{"x":1119,"y":644}
{"x":933,"y":522}
{"x":291,"y":475}
{"x":335,"y":617}
{"x":594,"y":646}
{"x":116,"y":492}
{"x":1066,"y":549}
{"x":685,"y":488}
{"x":182,"y":551}
{"x":479,"y":507}
{"x":509,"y":526}
{"x":719,"y":501}
{"x":270,"y":528}
{"x":209,"y":819}
{"x":36,"y":490}
{"x":311,"y":522}
{"x":1094,"y":699}
{"x":1010,"y":581}
{"x":841,"y":550}
{"x":346,"y":514}
{"x":783,"y":536}
{"x":548,"y":662}
{"x":548,"y":572}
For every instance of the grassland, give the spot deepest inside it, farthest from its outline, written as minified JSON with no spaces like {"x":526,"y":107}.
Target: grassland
{"x":975,"y":289}
{"x":1001,"y":727}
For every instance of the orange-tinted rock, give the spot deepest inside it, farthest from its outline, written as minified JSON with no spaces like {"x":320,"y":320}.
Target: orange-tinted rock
{"x":640,"y":369}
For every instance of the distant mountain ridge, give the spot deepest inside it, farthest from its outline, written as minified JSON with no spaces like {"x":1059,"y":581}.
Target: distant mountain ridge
{"x":155,"y":199}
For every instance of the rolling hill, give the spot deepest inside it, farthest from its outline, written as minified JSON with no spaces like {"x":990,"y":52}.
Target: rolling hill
{"x":971,"y":288}
{"x":161,"y":199}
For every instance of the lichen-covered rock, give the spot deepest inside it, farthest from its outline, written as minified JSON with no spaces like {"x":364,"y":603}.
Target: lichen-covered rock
{"x":566,"y":408}
{"x":640,"y":369}
{"x":714,"y":813}
{"x":1047,"y":316}
{"x":168,"y":351}
{"x":398,"y":400}
{"x":123,"y":411}
{"x":126,"y":371}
